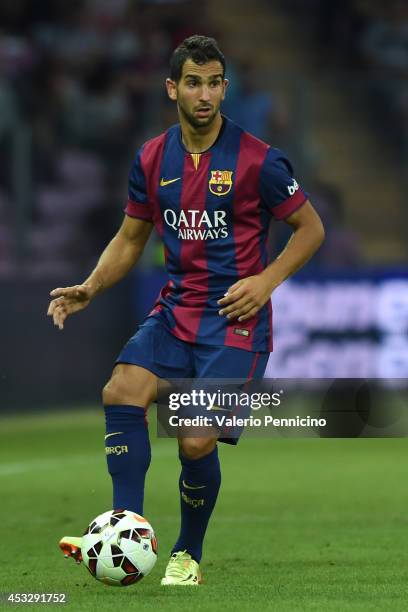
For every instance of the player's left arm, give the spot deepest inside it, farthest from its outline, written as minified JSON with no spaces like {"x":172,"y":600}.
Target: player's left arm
{"x":248,"y":295}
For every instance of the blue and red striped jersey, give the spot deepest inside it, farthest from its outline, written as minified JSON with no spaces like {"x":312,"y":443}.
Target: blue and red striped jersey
{"x":212,"y":211}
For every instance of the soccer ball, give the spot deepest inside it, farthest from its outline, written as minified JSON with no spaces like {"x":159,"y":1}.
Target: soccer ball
{"x":119,"y":547}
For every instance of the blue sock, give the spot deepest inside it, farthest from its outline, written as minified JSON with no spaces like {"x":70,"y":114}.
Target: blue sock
{"x":127,"y":448}
{"x":199,"y":483}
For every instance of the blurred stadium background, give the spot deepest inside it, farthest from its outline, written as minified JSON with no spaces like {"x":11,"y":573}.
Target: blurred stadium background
{"x":82,"y":86}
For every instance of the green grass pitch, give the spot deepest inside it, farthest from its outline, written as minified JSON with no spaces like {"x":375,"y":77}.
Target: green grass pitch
{"x":300,"y":524}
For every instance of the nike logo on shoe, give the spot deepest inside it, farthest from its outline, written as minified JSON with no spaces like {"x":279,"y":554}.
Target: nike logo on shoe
{"x":188,"y":578}
{"x":163,"y":183}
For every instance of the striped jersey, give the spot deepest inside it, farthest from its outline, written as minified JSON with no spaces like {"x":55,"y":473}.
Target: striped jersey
{"x":212,"y":211}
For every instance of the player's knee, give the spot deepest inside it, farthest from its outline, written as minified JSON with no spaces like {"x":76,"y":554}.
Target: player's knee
{"x":195,"y":448}
{"x":131,"y":386}
{"x":115,"y":391}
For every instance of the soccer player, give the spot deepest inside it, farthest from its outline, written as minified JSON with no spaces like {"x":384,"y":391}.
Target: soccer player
{"x":210,"y":190}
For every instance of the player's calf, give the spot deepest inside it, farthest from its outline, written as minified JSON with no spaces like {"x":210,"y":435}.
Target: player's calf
{"x":199,"y":484}
{"x":126,"y":398}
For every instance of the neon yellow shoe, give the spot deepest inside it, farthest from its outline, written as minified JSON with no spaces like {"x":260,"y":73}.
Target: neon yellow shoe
{"x":182,"y":570}
{"x":71,"y":547}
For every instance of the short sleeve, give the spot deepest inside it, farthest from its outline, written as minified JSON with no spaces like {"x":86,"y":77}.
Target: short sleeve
{"x":280,"y":192}
{"x":138,"y":205}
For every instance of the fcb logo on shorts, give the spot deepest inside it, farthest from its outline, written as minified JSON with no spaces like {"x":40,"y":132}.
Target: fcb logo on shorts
{"x":220,"y":182}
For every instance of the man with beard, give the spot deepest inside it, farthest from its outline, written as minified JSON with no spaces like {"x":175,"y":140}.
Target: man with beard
{"x":211,"y":190}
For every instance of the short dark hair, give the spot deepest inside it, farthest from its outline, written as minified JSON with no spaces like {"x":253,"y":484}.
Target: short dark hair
{"x":201,"y":49}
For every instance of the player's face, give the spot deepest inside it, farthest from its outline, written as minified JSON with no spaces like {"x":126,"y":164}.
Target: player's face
{"x":199,"y":92}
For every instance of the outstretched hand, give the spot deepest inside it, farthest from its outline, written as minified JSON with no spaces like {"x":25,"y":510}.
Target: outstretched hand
{"x":245,"y":298}
{"x":66,"y":301}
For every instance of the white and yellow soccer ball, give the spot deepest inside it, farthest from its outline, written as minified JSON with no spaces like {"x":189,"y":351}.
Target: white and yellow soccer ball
{"x":119,"y":547}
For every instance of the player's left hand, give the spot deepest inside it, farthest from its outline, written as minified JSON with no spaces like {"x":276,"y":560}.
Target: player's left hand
{"x":243,"y":299}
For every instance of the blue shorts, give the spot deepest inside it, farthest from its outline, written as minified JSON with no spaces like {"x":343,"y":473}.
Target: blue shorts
{"x":156,"y":349}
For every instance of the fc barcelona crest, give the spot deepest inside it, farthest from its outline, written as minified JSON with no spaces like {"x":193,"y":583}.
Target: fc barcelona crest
{"x":220,"y":182}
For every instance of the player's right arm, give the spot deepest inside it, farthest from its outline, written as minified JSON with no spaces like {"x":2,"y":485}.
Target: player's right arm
{"x":121,"y":254}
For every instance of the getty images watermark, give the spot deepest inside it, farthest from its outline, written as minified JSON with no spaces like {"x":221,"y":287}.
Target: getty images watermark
{"x":219,"y":407}
{"x":339,"y":408}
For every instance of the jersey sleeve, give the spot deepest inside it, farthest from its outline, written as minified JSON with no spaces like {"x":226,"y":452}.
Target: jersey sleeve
{"x":138,"y":204}
{"x":280,"y":192}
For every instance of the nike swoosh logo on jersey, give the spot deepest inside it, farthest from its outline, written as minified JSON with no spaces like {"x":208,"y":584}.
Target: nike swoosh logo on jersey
{"x":163,"y":183}
{"x":190,"y":487}
{"x":115,"y":433}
